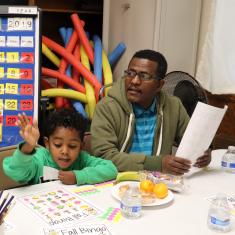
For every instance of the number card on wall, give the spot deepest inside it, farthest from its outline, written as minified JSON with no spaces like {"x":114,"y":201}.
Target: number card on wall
{"x":19,"y":69}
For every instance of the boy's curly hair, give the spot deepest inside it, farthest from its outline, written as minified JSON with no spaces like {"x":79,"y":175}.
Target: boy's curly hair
{"x":67,"y":118}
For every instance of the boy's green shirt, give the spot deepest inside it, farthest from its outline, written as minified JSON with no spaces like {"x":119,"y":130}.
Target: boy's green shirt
{"x":28,"y":168}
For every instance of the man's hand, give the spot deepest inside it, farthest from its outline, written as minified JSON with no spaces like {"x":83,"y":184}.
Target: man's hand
{"x":67,"y":177}
{"x":175,"y":165}
{"x":204,"y":160}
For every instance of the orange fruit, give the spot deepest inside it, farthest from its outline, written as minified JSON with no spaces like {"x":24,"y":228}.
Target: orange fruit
{"x":146,"y":186}
{"x":160,"y":190}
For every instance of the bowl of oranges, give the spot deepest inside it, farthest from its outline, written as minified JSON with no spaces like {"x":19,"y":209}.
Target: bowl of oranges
{"x":151,"y":194}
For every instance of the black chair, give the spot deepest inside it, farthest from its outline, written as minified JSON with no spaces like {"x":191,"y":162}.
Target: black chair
{"x":186,"y":88}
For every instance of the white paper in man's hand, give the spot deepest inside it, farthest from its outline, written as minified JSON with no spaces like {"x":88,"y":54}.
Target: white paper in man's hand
{"x":50,"y":173}
{"x":200,"y":131}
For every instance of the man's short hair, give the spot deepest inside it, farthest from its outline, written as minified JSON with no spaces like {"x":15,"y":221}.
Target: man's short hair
{"x":155,"y":57}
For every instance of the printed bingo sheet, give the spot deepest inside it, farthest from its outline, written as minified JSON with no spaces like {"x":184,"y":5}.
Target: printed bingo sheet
{"x":60,"y":207}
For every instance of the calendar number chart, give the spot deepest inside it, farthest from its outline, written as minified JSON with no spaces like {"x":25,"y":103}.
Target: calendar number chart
{"x":19,"y":69}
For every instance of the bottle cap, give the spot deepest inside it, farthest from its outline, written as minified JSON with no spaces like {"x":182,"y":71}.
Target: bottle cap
{"x":221,"y":196}
{"x":231,"y":148}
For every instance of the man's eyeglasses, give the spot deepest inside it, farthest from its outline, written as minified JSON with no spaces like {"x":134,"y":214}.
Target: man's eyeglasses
{"x":142,"y":75}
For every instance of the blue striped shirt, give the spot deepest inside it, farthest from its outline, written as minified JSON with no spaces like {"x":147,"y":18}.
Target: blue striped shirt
{"x":145,"y":123}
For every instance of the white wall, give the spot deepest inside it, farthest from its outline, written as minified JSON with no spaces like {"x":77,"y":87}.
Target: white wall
{"x":168,"y":26}
{"x":204,"y":23}
{"x":131,"y":22}
{"x":216,"y":58}
{"x":178,"y":37}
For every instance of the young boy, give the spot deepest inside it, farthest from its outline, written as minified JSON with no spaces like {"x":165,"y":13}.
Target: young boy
{"x":65,"y":131}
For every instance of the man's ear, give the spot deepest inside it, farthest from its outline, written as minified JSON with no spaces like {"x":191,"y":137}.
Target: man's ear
{"x":160,"y":85}
{"x":46,"y":142}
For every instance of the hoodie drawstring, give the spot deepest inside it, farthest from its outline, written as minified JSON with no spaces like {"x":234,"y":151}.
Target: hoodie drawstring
{"x":128,"y":133}
{"x":160,"y":137}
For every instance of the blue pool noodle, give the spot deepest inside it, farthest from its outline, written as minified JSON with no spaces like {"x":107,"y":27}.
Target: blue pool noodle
{"x":97,"y":58}
{"x":115,"y":55}
{"x":65,"y":35}
{"x":69,"y":32}
{"x":62,"y":31}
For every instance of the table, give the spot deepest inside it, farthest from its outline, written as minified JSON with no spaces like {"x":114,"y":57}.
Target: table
{"x":186,"y":215}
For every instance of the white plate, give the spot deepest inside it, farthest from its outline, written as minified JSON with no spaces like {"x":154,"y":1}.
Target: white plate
{"x":157,"y":202}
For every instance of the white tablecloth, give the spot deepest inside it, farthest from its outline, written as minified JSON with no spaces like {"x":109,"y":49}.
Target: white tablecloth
{"x":186,"y":215}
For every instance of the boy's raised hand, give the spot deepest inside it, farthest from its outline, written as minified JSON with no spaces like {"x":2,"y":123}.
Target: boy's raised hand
{"x":30,"y":133}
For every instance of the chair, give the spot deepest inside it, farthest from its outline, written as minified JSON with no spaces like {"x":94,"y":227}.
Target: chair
{"x":87,"y":142}
{"x":186,"y":88}
{"x":6,"y":182}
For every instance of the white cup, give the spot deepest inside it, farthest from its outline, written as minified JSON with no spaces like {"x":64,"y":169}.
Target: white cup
{"x":2,"y":229}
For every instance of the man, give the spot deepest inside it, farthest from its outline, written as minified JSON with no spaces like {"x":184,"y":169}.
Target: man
{"x":137,"y":124}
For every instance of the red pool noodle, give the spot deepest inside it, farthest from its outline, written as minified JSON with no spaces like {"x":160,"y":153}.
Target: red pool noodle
{"x":64,"y":78}
{"x":76,"y":53}
{"x":45,"y":84}
{"x":82,"y":36}
{"x":60,"y":101}
{"x":77,"y":64}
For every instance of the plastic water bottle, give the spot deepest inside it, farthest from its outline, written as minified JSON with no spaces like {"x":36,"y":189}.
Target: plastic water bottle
{"x":131,"y":203}
{"x":219,"y":214}
{"x":228,"y":160}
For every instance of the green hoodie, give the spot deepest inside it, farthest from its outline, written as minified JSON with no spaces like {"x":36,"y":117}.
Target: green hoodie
{"x":27,"y":168}
{"x":112,"y":129}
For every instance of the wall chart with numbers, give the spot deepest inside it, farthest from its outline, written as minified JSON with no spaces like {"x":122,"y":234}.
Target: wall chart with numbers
{"x":19,"y":69}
